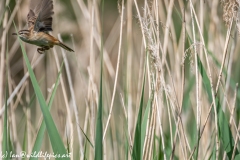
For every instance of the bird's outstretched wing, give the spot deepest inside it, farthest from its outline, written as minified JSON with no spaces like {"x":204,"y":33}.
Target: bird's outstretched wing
{"x":40,"y":15}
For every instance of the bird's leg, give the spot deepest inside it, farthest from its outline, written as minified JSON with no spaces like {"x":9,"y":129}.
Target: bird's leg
{"x":41,"y":50}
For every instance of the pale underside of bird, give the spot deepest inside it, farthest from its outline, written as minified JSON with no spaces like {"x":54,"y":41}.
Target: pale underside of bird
{"x":39,"y":23}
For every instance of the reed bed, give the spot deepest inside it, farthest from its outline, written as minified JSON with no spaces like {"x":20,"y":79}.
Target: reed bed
{"x":148,"y":80}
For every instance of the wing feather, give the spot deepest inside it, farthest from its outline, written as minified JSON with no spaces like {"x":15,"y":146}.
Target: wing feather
{"x":31,"y":18}
{"x":40,"y":15}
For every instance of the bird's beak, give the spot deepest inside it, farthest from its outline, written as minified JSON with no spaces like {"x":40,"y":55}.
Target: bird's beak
{"x":14,"y":34}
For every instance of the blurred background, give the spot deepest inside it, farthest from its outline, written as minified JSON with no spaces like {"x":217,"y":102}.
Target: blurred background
{"x":150,"y":50}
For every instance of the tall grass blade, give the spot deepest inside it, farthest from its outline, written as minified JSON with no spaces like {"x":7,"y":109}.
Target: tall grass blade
{"x":99,"y":126}
{"x":5,"y":142}
{"x":139,"y":138}
{"x":225,"y":133}
{"x":224,"y":129}
{"x":56,"y":141}
{"x":237,"y":157}
{"x":87,"y":138}
{"x":40,"y":134}
{"x":25,"y":140}
{"x":206,"y":80}
{"x":213,"y":154}
{"x":144,"y":124}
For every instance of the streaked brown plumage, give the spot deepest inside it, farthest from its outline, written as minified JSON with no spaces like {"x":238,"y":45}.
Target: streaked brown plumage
{"x":39,"y":21}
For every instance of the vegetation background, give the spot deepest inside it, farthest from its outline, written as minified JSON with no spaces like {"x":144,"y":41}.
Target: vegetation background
{"x":149,"y":79}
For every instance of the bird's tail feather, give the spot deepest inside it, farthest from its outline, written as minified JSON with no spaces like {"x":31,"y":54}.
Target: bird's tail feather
{"x":65,"y":47}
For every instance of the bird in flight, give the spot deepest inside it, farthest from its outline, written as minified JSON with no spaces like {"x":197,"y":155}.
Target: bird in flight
{"x":39,"y":22}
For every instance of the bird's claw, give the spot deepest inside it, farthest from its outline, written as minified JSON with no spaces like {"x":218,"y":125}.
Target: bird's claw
{"x":41,"y":50}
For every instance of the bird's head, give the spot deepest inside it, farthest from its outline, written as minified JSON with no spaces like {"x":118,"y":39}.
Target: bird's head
{"x":23,"y":34}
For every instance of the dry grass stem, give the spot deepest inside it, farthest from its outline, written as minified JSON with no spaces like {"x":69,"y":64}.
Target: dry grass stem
{"x":117,"y":69}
